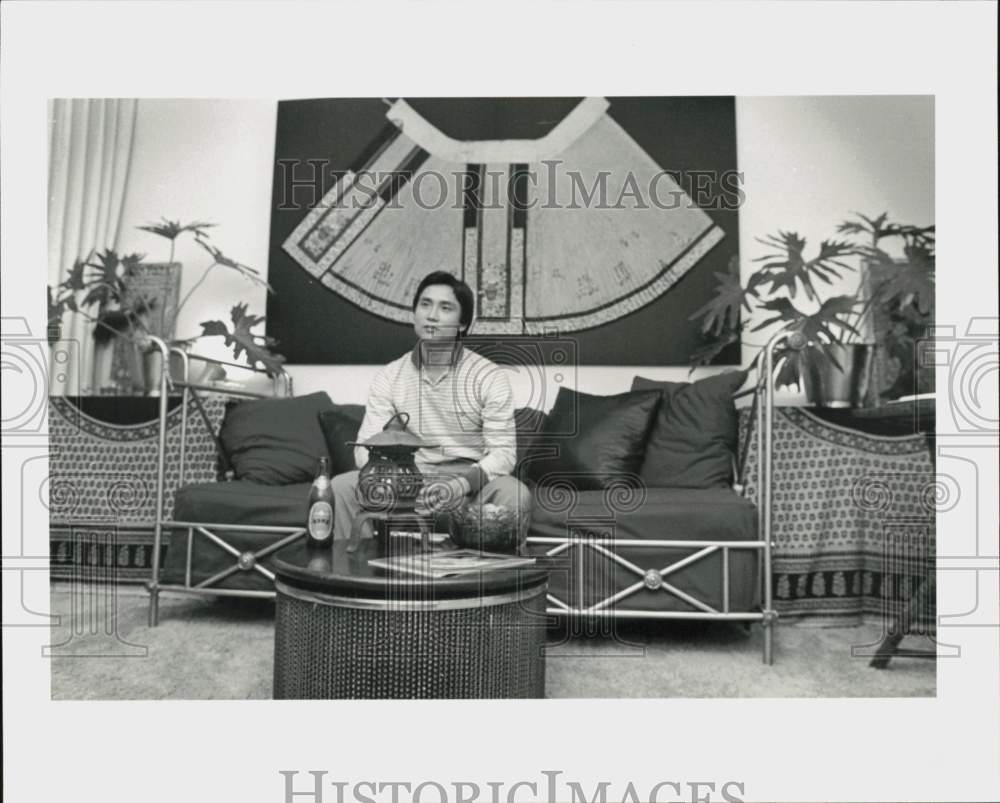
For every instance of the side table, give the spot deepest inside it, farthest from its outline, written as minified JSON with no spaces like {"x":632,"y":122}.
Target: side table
{"x":346,"y":630}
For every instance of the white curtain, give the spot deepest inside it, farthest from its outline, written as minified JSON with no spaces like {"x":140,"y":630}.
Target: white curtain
{"x":90,"y":151}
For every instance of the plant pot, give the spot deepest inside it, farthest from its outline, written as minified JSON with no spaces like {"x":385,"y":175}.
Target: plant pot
{"x":826,"y":385}
{"x":123,"y":361}
{"x":905,"y":365}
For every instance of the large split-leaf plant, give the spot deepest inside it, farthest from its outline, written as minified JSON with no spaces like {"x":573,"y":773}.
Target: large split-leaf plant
{"x":97,"y":288}
{"x":786,"y":290}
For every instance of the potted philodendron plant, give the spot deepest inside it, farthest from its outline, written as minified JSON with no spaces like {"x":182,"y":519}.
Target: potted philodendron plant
{"x":253,"y":348}
{"x":835,"y":368}
{"x":98,"y":289}
{"x":900,"y":302}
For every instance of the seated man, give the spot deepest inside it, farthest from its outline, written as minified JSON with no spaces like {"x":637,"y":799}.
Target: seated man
{"x":457,"y":400}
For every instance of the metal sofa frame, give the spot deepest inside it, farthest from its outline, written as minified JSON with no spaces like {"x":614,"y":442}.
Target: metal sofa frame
{"x":654,"y":578}
{"x":243,"y":561}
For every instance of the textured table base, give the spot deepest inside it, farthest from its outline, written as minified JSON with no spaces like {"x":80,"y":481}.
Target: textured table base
{"x":328,"y":651}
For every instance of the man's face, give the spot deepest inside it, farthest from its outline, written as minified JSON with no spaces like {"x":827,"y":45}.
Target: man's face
{"x":437,"y":314}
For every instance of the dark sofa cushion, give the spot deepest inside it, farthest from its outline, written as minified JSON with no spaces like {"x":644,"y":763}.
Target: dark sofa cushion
{"x":530,"y":423}
{"x":694,"y":438}
{"x":340,"y":425}
{"x":594,"y":440}
{"x":275,"y":441}
{"x":243,"y":503}
{"x":684,"y":514}
{"x":231,"y":503}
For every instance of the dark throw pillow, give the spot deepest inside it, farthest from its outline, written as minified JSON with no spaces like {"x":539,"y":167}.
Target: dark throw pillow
{"x":275,"y":441}
{"x":596,"y":439}
{"x":340,"y":425}
{"x":694,"y":438}
{"x":530,"y":423}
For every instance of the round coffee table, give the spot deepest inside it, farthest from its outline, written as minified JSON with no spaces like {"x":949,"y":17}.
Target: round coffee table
{"x":344,"y":629}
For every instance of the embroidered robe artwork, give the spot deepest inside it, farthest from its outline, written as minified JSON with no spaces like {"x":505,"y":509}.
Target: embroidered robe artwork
{"x":555,"y":235}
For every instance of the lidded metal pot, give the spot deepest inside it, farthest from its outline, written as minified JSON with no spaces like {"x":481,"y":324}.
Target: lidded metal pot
{"x":390,"y":479}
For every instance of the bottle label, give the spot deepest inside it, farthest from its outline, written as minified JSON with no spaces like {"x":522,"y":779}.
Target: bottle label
{"x":320,"y":521}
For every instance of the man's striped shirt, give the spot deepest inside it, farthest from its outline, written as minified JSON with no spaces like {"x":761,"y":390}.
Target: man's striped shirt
{"x":468,"y":412}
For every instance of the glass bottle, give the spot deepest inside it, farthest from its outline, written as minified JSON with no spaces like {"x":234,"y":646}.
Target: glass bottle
{"x":319,"y":525}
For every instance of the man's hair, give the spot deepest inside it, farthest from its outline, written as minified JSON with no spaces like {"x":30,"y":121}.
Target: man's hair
{"x":462,"y":291}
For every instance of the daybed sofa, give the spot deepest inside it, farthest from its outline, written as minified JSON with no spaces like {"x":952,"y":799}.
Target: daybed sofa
{"x":636,"y":488}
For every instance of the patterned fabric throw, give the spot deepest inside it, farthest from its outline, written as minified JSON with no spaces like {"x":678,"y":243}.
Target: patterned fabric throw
{"x":853,"y":519}
{"x":102,"y":487}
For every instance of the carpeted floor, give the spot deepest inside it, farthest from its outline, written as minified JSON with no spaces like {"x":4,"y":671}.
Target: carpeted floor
{"x":223,"y":649}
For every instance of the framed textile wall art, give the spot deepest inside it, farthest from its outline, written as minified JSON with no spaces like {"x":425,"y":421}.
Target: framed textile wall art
{"x":599,"y":219}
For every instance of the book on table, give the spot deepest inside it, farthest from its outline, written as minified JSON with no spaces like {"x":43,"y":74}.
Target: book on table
{"x":449,"y":563}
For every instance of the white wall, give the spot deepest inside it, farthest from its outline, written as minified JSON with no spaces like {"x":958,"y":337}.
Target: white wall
{"x":206,"y":160}
{"x":807,"y":163}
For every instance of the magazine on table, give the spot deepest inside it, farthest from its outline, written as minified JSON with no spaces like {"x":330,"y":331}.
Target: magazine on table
{"x":449,"y":563}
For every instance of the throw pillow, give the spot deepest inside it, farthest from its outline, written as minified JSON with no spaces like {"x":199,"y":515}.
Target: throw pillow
{"x":340,"y":425}
{"x":598,"y":438}
{"x":275,"y":441}
{"x":529,"y":423}
{"x":694,"y":438}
